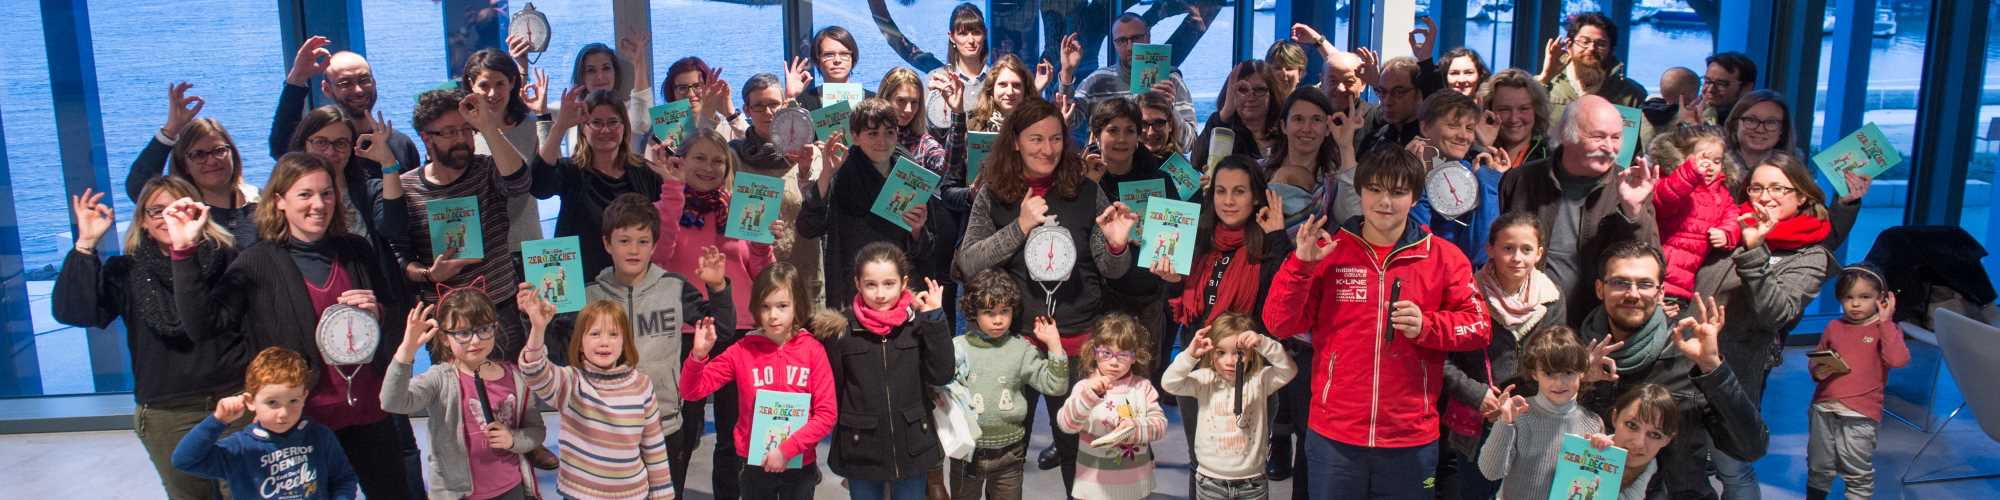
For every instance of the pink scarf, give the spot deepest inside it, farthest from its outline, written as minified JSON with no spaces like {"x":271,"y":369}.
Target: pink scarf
{"x":1517,"y":309}
{"x":880,"y":322}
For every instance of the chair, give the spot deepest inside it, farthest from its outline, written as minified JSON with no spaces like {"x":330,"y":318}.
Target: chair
{"x":1972,"y":352}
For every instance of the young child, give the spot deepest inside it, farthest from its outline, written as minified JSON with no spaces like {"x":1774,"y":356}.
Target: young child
{"x":477,"y":443}
{"x":896,"y":349}
{"x":1115,"y":414}
{"x":612,"y":442}
{"x":1694,"y":209}
{"x":1527,"y":437}
{"x":280,"y":455}
{"x":782,"y":357}
{"x":1847,"y":405}
{"x":1231,"y":438}
{"x":661,"y":302}
{"x":998,"y":370}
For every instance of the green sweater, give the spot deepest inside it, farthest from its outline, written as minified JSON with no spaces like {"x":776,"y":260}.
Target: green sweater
{"x":997,"y":373}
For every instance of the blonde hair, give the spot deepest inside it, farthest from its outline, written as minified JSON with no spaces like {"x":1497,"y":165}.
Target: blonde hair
{"x":713,"y":137}
{"x":271,"y":223}
{"x":897,"y":79}
{"x":1119,"y":331}
{"x":135,"y":234}
{"x":1227,"y":326}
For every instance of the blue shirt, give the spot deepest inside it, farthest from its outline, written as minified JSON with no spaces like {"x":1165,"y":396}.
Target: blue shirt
{"x":305,"y":463}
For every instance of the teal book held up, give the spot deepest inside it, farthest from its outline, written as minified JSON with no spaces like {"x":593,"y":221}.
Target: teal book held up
{"x":850,"y":93}
{"x":1630,"y":142}
{"x":1135,"y":193}
{"x":1170,"y":227}
{"x":774,"y":418}
{"x":909,"y":186}
{"x":1584,"y":472}
{"x":454,"y":224}
{"x":1865,"y":152}
{"x":977,"y":146}
{"x":671,"y":121}
{"x":555,"y":268}
{"x":1150,"y":64}
{"x":833,"y":118}
{"x":753,"y":204}
{"x":1187,"y":180}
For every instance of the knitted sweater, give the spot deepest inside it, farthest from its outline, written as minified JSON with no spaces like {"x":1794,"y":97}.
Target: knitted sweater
{"x":612,"y":440}
{"x":998,"y":373}
{"x":1228,"y":445}
{"x":1870,"y":351}
{"x":1524,"y":452}
{"x":1123,"y":470}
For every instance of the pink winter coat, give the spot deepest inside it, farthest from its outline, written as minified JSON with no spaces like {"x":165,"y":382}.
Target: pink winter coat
{"x":1686,"y":208}
{"x":679,"y":250}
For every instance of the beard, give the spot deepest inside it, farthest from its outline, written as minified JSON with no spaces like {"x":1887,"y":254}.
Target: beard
{"x":457,"y":158}
{"x":358,"y":103}
{"x":1628,"y":314}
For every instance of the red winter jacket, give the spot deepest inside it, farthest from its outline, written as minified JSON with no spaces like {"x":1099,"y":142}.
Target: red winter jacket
{"x":758,"y":363}
{"x":1686,"y":208}
{"x":1388,"y":384}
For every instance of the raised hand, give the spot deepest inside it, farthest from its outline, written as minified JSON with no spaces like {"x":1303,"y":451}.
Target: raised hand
{"x":538,"y":311}
{"x":633,"y":49}
{"x":1757,"y":224}
{"x":1072,"y":55}
{"x":518,"y":47}
{"x":185,"y":219}
{"x":1093,"y":166}
{"x":1099,"y":385}
{"x":1043,"y":72}
{"x":953,"y":90}
{"x":1272,"y":216}
{"x":536,"y":95}
{"x":573,"y":110}
{"x":798,"y":74}
{"x":1116,"y":221}
{"x":1164,"y":86}
{"x":1164,"y":268}
{"x":1370,"y":71}
{"x":1635,"y":184}
{"x":1046,"y":332}
{"x":1034,"y":211}
{"x":483,"y":117}
{"x":1690,"y":111}
{"x":419,"y":327}
{"x":1422,"y":39}
{"x":1489,"y":405}
{"x":1406,"y":318}
{"x":374,"y":146}
{"x":1888,"y":312}
{"x":1305,"y":34}
{"x":932,"y":298}
{"x":1512,"y":406}
{"x":1599,"y":367}
{"x":1312,"y":241}
{"x":231,"y":408}
{"x":711,"y":270}
{"x":93,"y":219}
{"x":715,"y":94}
{"x":1857,"y":186}
{"x":661,"y":160}
{"x":1227,"y":111}
{"x":1067,"y":105}
{"x":704,"y":338}
{"x":310,"y":61}
{"x":1202,"y":344}
{"x":181,"y":109}
{"x":1696,"y":336}
{"x":1487,"y":129}
{"x":1555,"y":55}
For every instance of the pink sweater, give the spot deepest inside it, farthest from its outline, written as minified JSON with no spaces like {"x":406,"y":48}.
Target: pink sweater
{"x":679,"y":250}
{"x":797,"y":366}
{"x":1870,"y":351}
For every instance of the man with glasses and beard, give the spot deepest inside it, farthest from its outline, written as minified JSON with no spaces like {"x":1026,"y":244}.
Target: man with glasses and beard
{"x":448,"y":120}
{"x":350,"y":82}
{"x":1116,"y":80}
{"x":1588,"y":46}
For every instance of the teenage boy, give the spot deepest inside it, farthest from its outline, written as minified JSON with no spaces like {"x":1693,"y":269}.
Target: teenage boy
{"x":1387,"y":300}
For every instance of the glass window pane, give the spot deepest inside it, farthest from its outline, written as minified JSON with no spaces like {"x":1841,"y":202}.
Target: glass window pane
{"x":1981,"y":181}
{"x":39,"y":203}
{"x":1489,"y":30}
{"x":924,"y":28}
{"x":1894,"y":80}
{"x":1656,"y":32}
{"x":679,"y":27}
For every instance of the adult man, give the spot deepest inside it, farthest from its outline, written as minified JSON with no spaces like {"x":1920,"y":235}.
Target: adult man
{"x":1679,"y":88}
{"x":1393,"y":123}
{"x":1729,"y":76}
{"x":1630,"y":336}
{"x":1116,"y":80}
{"x":1583,"y":204}
{"x":448,"y":120}
{"x":350,"y":82}
{"x":1588,"y":47}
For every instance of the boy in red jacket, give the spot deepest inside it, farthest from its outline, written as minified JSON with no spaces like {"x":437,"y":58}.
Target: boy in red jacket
{"x":1386,"y":300}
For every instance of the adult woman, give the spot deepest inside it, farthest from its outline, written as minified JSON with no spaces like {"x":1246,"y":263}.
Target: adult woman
{"x":274,"y":292}
{"x":691,"y":79}
{"x":904,"y":91}
{"x":492,"y":76}
{"x":1008,"y":84}
{"x":1306,"y":154}
{"x":199,"y":151}
{"x":1767,"y":281}
{"x":1246,"y":103}
{"x":1464,"y":73}
{"x":599,"y":68}
{"x":1286,"y":63}
{"x":1519,"y":120}
{"x":1761,"y":126}
{"x":964,"y":63}
{"x":835,"y":54}
{"x":1158,"y":130}
{"x":177,"y":379}
{"x":1520,"y":299}
{"x":1030,"y":181}
{"x":599,"y":169}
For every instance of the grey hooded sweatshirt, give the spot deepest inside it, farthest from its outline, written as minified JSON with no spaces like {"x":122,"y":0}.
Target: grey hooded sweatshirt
{"x":658,"y":305}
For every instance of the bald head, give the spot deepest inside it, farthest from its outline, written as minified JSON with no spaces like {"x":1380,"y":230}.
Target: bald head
{"x":1592,"y":131}
{"x":350,"y":82}
{"x":1678,"y":84}
{"x":1343,"y":78}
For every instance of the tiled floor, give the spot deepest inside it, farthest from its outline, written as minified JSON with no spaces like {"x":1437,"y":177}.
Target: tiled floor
{"x":110,"y":465}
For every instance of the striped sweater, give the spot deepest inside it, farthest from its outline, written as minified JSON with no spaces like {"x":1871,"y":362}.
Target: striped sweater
{"x":612,"y":442}
{"x":481,"y":179}
{"x":1123,"y":470}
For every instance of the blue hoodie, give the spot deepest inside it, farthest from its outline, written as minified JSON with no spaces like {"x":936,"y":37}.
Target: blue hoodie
{"x":305,"y":463}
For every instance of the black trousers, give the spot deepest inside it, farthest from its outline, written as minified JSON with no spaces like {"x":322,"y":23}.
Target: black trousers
{"x":724,"y":470}
{"x":375,"y":451}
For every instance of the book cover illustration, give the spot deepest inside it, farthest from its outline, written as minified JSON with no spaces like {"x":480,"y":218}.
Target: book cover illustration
{"x":454,"y":224}
{"x":1150,"y":64}
{"x":849,"y":93}
{"x":909,"y":186}
{"x":1629,"y":144}
{"x":776,"y":416}
{"x":1135,"y":193}
{"x":977,"y":146}
{"x":753,"y":204}
{"x":1187,"y":180}
{"x":1170,"y":227}
{"x":833,"y":118}
{"x":671,"y":121}
{"x":1584,"y":472}
{"x":1865,"y":152}
{"x":555,"y":268}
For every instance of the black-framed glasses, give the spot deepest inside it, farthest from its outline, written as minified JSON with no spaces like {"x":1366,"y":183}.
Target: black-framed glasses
{"x":453,"y":132}
{"x":475,"y":333}
{"x":1155,"y":123}
{"x":1625,"y":285}
{"x":156,"y":213}
{"x":203,"y":155}
{"x":1762,"y":124}
{"x":688,"y":89}
{"x":351,"y":83}
{"x":1755,"y":190}
{"x":334,"y":144}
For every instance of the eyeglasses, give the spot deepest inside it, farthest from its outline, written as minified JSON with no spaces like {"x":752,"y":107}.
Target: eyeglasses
{"x":1253,"y":91}
{"x":1761,"y":124}
{"x":1398,"y":92}
{"x":687,"y":89}
{"x":606,"y":124}
{"x":203,"y":155}
{"x":156,"y":213}
{"x":461,"y":131}
{"x":1719,"y":84}
{"x":1625,"y":285}
{"x":470,"y":334}
{"x":764,"y":107}
{"x":1600,"y":43}
{"x":351,"y":83}
{"x":1755,"y":190}
{"x":836,"y":55}
{"x":1109,"y":354}
{"x":1155,"y":123}
{"x":332,"y":144}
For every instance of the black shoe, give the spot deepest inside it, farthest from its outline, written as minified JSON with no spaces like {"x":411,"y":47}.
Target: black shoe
{"x":1049,"y":459}
{"x":1813,"y":494}
{"x":1279,"y":467}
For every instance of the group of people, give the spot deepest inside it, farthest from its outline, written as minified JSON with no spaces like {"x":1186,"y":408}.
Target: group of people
{"x":1341,"y":325}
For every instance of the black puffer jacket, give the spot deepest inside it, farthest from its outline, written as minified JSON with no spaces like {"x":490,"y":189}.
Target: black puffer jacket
{"x":884,"y":385}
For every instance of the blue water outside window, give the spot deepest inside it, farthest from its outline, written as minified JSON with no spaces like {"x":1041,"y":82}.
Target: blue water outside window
{"x":406,"y":51}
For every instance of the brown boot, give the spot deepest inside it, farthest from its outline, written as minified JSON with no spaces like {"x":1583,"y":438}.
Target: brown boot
{"x":543,"y":459}
{"x":935,"y":485}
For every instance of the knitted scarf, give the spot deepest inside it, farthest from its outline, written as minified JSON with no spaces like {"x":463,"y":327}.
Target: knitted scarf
{"x":152,"y":282}
{"x":880,"y":322}
{"x":1517,"y":309}
{"x":1645,"y":345}
{"x":701,"y":204}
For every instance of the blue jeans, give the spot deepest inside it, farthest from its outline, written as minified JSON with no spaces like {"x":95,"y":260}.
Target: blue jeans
{"x":1340,"y":470}
{"x":900,"y":489}
{"x":1739,"y":478}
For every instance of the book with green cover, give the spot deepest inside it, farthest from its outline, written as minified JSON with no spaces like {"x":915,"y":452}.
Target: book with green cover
{"x":671,"y":121}
{"x":1170,"y":227}
{"x":1150,"y":64}
{"x":1865,"y":152}
{"x":1584,"y":472}
{"x":1135,"y":193}
{"x":454,"y":224}
{"x":833,"y":118}
{"x":773,"y":419}
{"x":977,"y":146}
{"x":753,"y":204}
{"x":1630,"y":142}
{"x":1187,"y":180}
{"x":909,"y":186}
{"x":850,"y":93}
{"x":554,"y":267}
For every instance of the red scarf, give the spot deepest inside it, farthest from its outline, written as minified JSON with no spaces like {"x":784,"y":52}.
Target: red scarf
{"x":1238,"y":290}
{"x":1040,"y":187}
{"x":1797,"y":232}
{"x":880,"y":322}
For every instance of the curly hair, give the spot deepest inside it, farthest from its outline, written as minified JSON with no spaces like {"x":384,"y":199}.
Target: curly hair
{"x":276,"y":366}
{"x":1515,"y":78}
{"x":989,"y":290}
{"x":433,"y":105}
{"x":1119,"y":331}
{"x":1006,"y":169}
